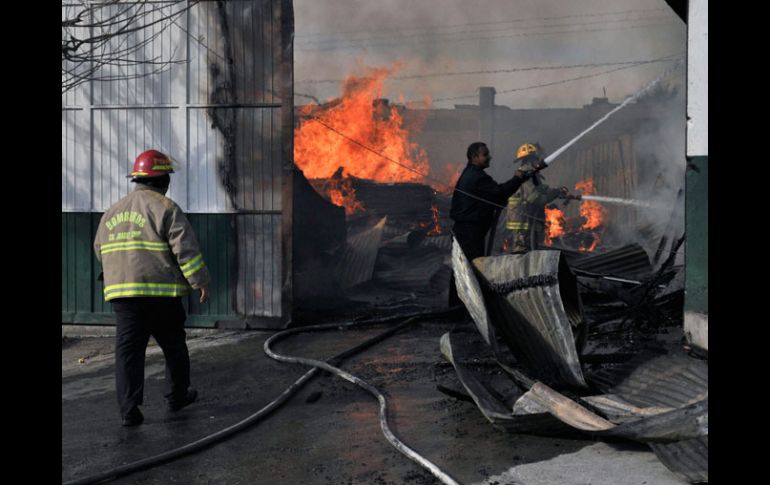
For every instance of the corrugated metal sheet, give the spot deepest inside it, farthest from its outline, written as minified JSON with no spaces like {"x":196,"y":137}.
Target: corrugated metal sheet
{"x":258,"y":265}
{"x":205,"y":149}
{"x":77,"y":96}
{"x":443,"y":242}
{"x":502,"y":405}
{"x":75,"y":174}
{"x":608,"y":158}
{"x":258,"y":160}
{"x":534,"y":304}
{"x":411,"y":270}
{"x":119,"y":135}
{"x":439,"y":282}
{"x":356,"y":262}
{"x":147,"y":82}
{"x":469,"y":291}
{"x":669,"y":380}
{"x":655,"y":380}
{"x":687,"y":458}
{"x":253,"y":24}
{"x":630,"y":261}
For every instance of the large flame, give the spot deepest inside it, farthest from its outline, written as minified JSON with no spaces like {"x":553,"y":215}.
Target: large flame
{"x":362,"y":115}
{"x":593,"y":213}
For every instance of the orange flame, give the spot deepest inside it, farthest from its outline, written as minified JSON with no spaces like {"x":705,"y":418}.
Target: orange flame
{"x":362,"y":115}
{"x":436,"y":229}
{"x":554,"y":225}
{"x":593,"y":213}
{"x":339,"y":190}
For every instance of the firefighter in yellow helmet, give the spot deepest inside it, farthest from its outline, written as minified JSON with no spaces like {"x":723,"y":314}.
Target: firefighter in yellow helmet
{"x":150,"y":259}
{"x":525,"y":214}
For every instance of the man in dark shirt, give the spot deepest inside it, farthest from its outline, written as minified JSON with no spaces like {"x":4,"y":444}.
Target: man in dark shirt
{"x":476,"y":199}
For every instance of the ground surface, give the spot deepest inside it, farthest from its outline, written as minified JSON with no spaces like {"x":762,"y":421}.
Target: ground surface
{"x":332,"y":438}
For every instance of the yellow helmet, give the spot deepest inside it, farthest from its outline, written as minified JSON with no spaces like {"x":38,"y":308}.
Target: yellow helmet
{"x":527,"y":149}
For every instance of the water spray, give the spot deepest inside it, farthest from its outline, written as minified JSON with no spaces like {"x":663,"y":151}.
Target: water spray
{"x":628,"y":100}
{"x":617,"y":200}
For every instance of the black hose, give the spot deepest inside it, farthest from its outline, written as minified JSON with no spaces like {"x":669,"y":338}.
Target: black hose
{"x":187,"y":449}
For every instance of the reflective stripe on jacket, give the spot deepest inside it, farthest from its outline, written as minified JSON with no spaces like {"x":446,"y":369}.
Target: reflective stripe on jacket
{"x":147,"y":247}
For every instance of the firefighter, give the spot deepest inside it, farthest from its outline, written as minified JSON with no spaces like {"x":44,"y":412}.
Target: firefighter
{"x":150,"y":259}
{"x":474,"y":204}
{"x":525,"y":214}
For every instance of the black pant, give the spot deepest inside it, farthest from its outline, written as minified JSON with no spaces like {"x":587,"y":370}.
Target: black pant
{"x":137,"y":319}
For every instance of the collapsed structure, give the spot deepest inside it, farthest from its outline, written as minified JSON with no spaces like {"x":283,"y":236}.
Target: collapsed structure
{"x":529,"y":314}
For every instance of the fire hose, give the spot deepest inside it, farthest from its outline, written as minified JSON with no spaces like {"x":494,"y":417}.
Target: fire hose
{"x":392,"y":439}
{"x":230,"y":431}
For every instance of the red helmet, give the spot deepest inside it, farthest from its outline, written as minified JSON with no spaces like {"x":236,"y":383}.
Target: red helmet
{"x":151,"y":163}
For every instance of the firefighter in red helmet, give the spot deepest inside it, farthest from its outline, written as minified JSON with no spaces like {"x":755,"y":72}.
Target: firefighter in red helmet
{"x":151,"y":259}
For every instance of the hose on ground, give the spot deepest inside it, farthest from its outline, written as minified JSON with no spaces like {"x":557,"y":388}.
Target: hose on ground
{"x":392,"y":439}
{"x":221,"y":435}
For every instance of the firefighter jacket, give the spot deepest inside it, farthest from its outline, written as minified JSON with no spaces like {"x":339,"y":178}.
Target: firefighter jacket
{"x":525,"y":214}
{"x":148,"y":248}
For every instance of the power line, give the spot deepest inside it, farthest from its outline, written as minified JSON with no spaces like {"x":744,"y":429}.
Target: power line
{"x":563,"y":81}
{"x":530,"y":19}
{"x":492,"y":71}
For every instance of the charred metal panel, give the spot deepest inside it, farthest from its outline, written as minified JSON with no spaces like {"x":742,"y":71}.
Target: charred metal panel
{"x":404,"y":203}
{"x":501,"y":405}
{"x":411,"y":270}
{"x":356,"y":262}
{"x":656,"y":380}
{"x":244,"y":33}
{"x":686,"y":458}
{"x":672,"y":381}
{"x":630,"y":261}
{"x":533,"y":303}
{"x":443,"y":242}
{"x":469,"y":291}
{"x":318,"y":225}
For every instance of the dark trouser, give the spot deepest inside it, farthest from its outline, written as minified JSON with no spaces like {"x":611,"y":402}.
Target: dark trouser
{"x":470,"y":237}
{"x":137,"y":319}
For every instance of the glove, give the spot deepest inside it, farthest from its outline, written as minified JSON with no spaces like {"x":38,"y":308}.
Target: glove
{"x":540,"y":165}
{"x":526,"y":171}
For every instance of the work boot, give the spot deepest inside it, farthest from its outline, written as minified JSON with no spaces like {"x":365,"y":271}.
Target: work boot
{"x":177,"y":404}
{"x":133,"y":418}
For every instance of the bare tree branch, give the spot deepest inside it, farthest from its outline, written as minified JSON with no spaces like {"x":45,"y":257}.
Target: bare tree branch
{"x":99,"y":37}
